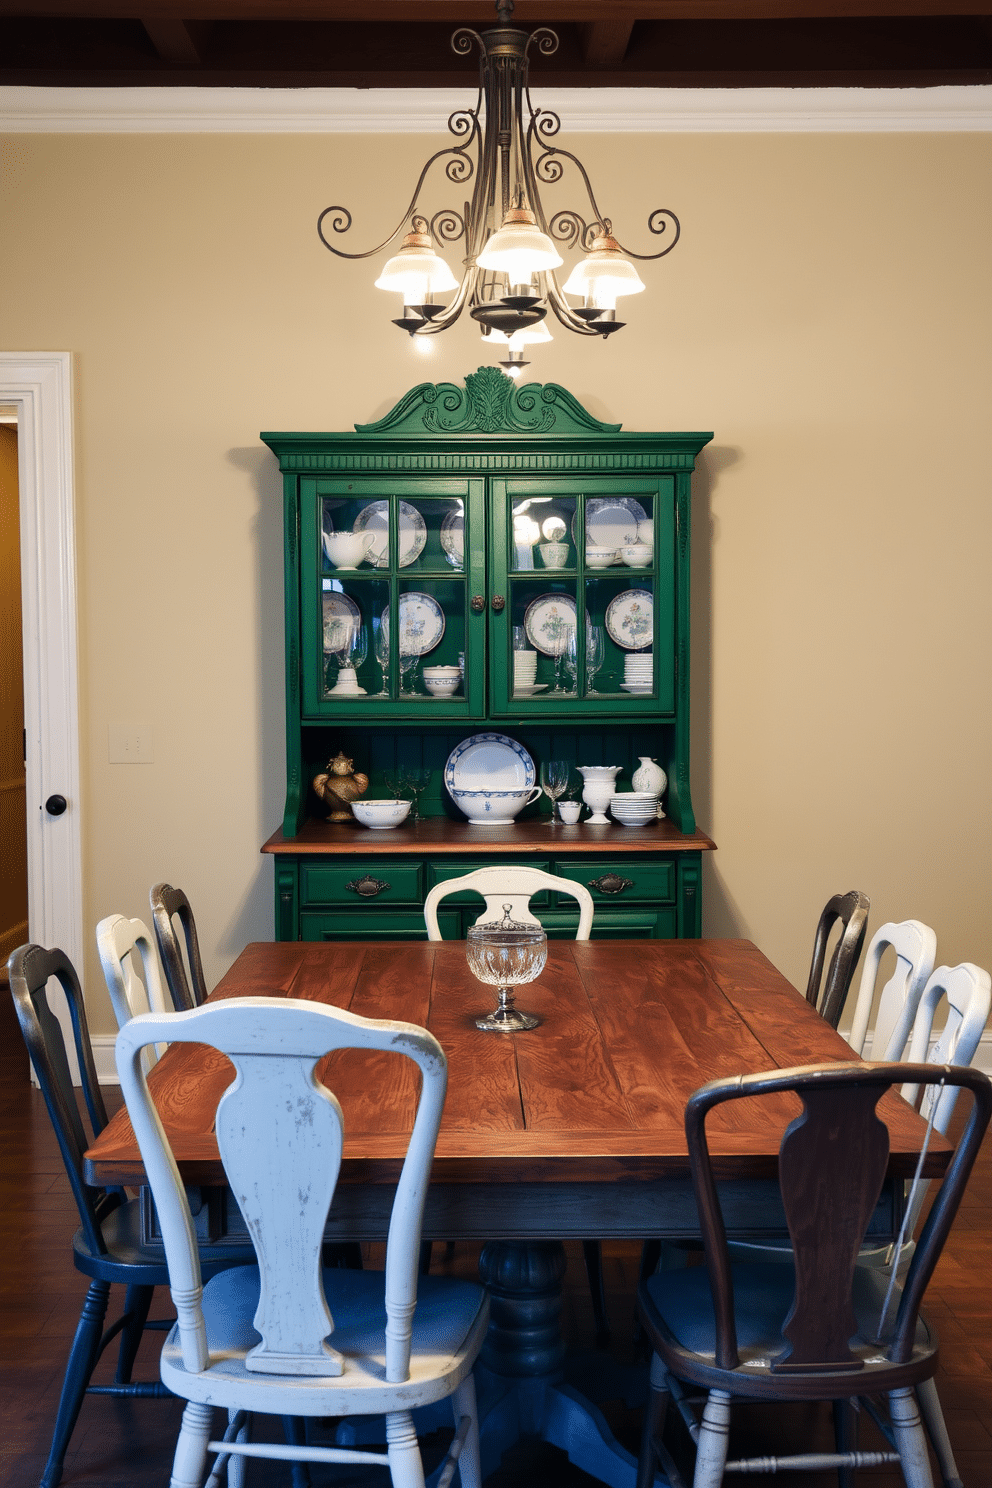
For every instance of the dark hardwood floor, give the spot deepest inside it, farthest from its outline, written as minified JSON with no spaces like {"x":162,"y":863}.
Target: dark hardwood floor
{"x":116,"y":1443}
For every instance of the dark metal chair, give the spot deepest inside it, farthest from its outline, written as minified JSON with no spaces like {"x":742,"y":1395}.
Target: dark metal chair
{"x":820,"y":1327}
{"x":108,"y":1247}
{"x":188,"y":987}
{"x":851,"y":910}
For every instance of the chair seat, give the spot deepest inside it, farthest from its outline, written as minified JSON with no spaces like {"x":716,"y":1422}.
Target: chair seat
{"x":680,"y":1305}
{"x":450,"y":1319}
{"x":128,"y":1259}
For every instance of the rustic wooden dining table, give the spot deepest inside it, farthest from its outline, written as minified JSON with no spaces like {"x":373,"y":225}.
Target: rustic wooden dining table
{"x":571,"y":1130}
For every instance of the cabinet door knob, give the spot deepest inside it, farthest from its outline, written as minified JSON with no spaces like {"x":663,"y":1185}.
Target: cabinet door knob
{"x":611,"y":883}
{"x":55,"y":805}
{"x":367,"y":886}
{"x":478,"y":603}
{"x":499,"y":603}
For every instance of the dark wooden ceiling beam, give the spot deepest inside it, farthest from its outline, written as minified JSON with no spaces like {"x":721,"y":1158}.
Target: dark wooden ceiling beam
{"x":604,"y":43}
{"x":176,"y":40}
{"x":596,"y":13}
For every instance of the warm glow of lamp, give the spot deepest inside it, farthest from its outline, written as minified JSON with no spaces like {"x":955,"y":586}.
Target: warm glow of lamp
{"x":417,"y":272}
{"x":603,"y":275}
{"x":519,"y":249}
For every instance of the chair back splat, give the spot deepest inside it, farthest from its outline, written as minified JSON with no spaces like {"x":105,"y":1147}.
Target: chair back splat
{"x":187,"y":983}
{"x":915,"y":945}
{"x":851,"y":910}
{"x":513,"y":884}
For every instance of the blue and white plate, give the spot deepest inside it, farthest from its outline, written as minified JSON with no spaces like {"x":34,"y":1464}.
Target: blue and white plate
{"x":489,"y":762}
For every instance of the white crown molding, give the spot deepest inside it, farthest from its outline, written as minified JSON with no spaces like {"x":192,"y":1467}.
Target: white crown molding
{"x":424,"y":111}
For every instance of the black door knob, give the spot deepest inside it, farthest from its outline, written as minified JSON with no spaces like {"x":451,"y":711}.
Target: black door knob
{"x":55,"y":805}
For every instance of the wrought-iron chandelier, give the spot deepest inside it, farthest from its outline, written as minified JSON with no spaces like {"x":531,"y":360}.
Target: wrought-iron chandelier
{"x":508,"y":283}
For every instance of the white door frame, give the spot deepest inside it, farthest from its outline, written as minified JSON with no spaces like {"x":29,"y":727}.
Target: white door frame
{"x":39,"y":385}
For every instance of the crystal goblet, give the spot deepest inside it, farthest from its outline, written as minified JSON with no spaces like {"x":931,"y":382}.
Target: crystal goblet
{"x":505,"y":954}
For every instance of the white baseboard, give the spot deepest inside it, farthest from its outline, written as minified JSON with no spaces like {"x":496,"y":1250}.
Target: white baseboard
{"x":103,"y":1054}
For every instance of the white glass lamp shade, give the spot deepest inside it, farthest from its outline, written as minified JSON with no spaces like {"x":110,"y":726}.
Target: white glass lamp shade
{"x":519,"y":248}
{"x":604,"y":275}
{"x":416,"y":271}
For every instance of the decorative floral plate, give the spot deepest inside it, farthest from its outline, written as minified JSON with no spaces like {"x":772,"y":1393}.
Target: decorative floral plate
{"x":611,"y":521}
{"x":549,"y":620}
{"x":453,"y":538}
{"x":342,"y":617}
{"x":374,"y":518}
{"x":421,"y":624}
{"x":630,"y":619}
{"x":489,"y":762}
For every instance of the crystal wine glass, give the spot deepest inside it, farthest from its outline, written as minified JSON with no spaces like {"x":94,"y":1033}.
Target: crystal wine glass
{"x":570,"y":657}
{"x":554,"y":779}
{"x":416,"y":778}
{"x":408,"y":664}
{"x":595,"y":655}
{"x":382,"y":656}
{"x":505,"y":955}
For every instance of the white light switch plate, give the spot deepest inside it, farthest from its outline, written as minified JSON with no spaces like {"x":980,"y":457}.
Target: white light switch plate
{"x":131,"y":743}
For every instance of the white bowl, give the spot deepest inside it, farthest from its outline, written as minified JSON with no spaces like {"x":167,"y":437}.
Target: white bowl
{"x":637,"y":555}
{"x":600,"y":557}
{"x":493,"y":808}
{"x":380,"y":814}
{"x":442,"y":671}
{"x":443,"y":687}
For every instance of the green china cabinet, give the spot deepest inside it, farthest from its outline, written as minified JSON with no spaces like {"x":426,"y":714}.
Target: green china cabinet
{"x":422,"y":553}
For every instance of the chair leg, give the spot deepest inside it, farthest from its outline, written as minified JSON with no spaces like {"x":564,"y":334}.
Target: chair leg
{"x":650,"y":1256}
{"x":137,"y":1301}
{"x":846,"y":1438}
{"x":406,"y":1466}
{"x":592,"y":1254}
{"x":655,"y":1411}
{"x":295,"y":1431}
{"x":910,"y":1439}
{"x":463,"y":1403}
{"x":191,"y":1449}
{"x":714,"y":1438}
{"x":933,"y":1420}
{"x":424,"y":1264}
{"x":82,"y":1359}
{"x":237,"y":1467}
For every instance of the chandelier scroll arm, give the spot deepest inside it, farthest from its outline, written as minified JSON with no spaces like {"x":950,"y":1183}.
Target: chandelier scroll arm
{"x":656,"y":218}
{"x":465,"y":168}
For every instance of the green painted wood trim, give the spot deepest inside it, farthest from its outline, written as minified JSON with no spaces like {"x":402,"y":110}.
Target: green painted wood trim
{"x":679,"y":795}
{"x":489,"y":403}
{"x":296,"y":786}
{"x":690,"y":896}
{"x":287,"y":916}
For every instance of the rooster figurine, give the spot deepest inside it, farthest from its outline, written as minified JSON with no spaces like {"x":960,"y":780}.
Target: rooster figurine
{"x":339,"y":785}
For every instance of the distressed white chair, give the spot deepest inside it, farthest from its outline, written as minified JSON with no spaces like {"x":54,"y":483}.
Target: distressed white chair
{"x":915,"y":945}
{"x":511,"y":884}
{"x":125,"y":947}
{"x":285,"y":1337}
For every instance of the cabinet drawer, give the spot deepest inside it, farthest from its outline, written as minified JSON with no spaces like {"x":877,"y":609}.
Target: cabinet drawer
{"x":441,"y":873}
{"x":331,"y":883}
{"x":652,"y":880}
{"x":375,"y":925}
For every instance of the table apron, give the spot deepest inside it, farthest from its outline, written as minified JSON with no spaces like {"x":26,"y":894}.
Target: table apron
{"x":665,"y":1209}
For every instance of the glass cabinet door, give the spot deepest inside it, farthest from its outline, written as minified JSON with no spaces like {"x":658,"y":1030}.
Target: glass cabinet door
{"x":586,"y":572}
{"x":388,"y":570}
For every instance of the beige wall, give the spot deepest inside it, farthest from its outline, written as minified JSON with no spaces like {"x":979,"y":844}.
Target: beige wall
{"x":826,"y":313}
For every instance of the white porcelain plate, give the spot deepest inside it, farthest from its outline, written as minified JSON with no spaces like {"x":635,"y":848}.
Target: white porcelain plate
{"x":639,"y":689}
{"x":549,"y":620}
{"x":421,"y":624}
{"x":489,"y":762}
{"x":528,"y":689}
{"x":453,"y":538}
{"x":374,"y":518}
{"x":630,"y":619}
{"x":341,"y":618}
{"x":611,"y":521}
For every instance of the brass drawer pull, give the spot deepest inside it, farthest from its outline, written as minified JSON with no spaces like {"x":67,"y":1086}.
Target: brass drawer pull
{"x":478,"y":603}
{"x":367,"y":886}
{"x":498,"y":603}
{"x":611,"y":883}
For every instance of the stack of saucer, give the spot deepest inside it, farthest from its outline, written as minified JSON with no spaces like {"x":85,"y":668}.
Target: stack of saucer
{"x":638,"y":672}
{"x":524,"y":672}
{"x":634,"y":808}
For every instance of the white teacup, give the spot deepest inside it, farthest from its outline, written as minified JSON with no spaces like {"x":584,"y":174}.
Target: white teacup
{"x":600,"y":557}
{"x":570,"y":812}
{"x":493,"y":808}
{"x":347,"y":549}
{"x":636,"y":555}
{"x":443,"y":687}
{"x":555,"y":554}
